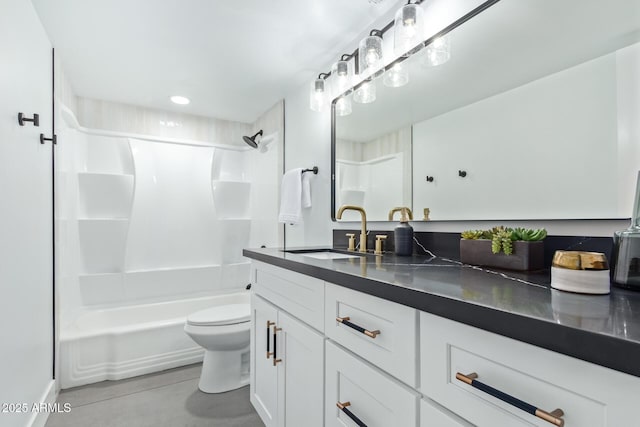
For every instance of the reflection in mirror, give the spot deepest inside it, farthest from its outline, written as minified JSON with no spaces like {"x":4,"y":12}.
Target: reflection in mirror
{"x":538,"y":104}
{"x":367,"y":168}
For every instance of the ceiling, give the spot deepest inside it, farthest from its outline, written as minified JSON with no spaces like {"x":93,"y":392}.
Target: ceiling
{"x":233,"y":59}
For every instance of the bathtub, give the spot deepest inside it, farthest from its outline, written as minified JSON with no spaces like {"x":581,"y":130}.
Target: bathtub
{"x":117,"y":343}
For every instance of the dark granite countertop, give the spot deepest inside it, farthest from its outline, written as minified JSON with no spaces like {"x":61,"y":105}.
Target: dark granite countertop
{"x":599,"y":329}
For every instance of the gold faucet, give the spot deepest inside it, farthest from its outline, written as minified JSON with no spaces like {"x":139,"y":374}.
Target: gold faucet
{"x":363,"y":214}
{"x":400,"y":209}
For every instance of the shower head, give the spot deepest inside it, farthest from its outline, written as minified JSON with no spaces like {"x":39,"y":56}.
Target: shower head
{"x":253,"y":141}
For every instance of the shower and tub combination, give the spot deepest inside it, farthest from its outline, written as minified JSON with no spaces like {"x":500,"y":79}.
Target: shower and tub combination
{"x":151,"y":232}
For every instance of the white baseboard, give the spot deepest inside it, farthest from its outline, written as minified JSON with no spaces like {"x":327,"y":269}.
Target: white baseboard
{"x":39,"y":419}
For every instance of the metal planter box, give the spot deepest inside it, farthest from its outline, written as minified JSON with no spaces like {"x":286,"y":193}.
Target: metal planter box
{"x":526,"y":255}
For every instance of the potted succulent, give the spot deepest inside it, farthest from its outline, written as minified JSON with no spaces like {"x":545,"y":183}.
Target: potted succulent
{"x":511,"y":248}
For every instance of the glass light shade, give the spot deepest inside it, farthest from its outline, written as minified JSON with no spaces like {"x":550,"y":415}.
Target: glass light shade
{"x":397,"y":76}
{"x":341,"y":76}
{"x":366,"y":93}
{"x":343,"y":106}
{"x":370,"y":56}
{"x":318,"y":95}
{"x":438,"y":52}
{"x":408,"y":30}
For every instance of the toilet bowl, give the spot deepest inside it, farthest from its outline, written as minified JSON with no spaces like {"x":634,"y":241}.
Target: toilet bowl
{"x":223,"y":331}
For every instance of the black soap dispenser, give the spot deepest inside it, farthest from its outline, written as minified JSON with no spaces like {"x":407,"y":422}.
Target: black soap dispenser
{"x":626,"y":250}
{"x":403,"y":236}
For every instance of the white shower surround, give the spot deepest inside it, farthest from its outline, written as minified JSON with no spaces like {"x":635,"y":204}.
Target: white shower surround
{"x":161,"y":223}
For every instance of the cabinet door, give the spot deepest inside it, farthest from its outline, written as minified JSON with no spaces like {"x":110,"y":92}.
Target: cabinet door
{"x":264,"y":375}
{"x":300,"y":374}
{"x":357,"y":390}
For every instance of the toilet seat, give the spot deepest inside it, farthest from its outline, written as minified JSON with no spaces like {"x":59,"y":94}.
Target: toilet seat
{"x":229,"y":314}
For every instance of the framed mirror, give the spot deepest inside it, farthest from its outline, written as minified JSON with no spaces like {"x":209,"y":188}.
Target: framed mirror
{"x":536,"y":115}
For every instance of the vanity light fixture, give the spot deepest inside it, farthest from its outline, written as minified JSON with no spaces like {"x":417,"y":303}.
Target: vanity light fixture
{"x":341,"y":75}
{"x":368,"y":62}
{"x":370,"y":55}
{"x":318,"y":96}
{"x":408,"y":30}
{"x":180,"y":100}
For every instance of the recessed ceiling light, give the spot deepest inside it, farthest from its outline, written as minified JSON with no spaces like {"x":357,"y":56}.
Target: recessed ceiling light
{"x":180,"y":100}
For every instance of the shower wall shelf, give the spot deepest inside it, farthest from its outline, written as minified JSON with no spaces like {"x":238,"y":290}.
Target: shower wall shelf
{"x":106,"y":155}
{"x":106,"y":185}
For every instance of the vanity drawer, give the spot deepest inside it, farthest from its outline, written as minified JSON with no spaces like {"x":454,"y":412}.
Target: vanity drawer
{"x":431,"y":415}
{"x":300,"y":295}
{"x":590,"y":395}
{"x":376,"y":399}
{"x":381,"y":332}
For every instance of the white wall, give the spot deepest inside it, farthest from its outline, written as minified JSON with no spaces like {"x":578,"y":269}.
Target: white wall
{"x":628,"y":107}
{"x":266,"y":168}
{"x":308,"y":144}
{"x":26,"y":258}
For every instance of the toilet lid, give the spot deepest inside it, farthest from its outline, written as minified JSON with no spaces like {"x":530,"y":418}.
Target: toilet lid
{"x":221,"y":315}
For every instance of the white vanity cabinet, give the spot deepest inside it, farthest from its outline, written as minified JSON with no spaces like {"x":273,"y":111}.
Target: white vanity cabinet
{"x":392,"y":365}
{"x":588,"y":394}
{"x":287,"y":357}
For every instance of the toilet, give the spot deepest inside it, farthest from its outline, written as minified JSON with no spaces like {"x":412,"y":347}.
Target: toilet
{"x":223,"y":331}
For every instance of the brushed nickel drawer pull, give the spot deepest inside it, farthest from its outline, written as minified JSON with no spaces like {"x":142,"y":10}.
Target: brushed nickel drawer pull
{"x":343,"y":408}
{"x":345,"y":321}
{"x":275,"y":342}
{"x":269,"y":323}
{"x":554,"y":417}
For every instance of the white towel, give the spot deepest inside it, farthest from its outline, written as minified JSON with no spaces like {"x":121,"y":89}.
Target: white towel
{"x":291,"y":197}
{"x":306,"y":190}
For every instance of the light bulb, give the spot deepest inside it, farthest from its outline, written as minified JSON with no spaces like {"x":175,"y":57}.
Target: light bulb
{"x":370,"y":56}
{"x":317,"y":95}
{"x":340,"y":77}
{"x":408,"y":29}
